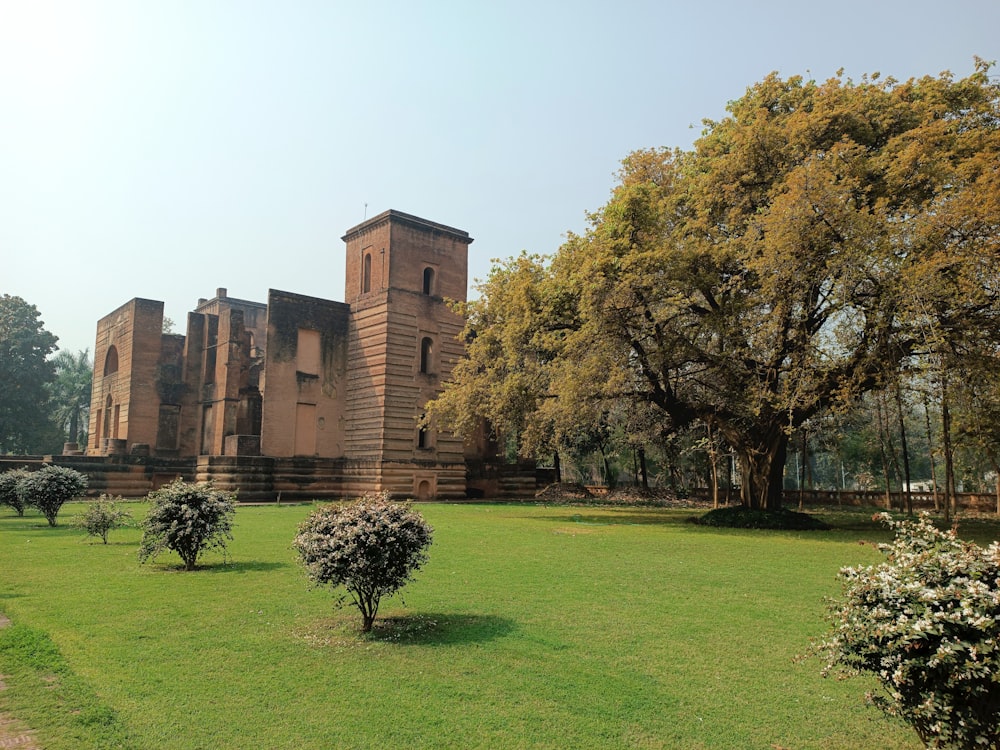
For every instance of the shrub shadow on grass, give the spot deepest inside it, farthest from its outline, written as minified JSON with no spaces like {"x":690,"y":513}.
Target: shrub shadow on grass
{"x":248,"y":566}
{"x":38,"y":524}
{"x":438,"y":629}
{"x":343,"y":630}
{"x":243,"y":566}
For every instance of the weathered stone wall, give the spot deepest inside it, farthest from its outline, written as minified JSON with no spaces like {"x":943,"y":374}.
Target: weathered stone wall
{"x":305,"y":376}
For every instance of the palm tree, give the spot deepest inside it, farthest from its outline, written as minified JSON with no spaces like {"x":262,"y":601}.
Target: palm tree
{"x":71,"y":394}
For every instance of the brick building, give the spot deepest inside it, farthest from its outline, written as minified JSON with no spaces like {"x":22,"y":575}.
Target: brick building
{"x":301,"y":397}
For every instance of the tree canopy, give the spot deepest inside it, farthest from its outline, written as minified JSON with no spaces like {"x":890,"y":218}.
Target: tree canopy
{"x":812,"y":241}
{"x":25,"y":373}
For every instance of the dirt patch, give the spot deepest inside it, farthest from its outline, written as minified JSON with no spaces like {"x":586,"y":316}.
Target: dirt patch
{"x":13,"y":734}
{"x":564,"y":492}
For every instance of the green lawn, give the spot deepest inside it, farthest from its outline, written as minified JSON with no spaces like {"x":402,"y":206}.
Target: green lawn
{"x":531,"y":626}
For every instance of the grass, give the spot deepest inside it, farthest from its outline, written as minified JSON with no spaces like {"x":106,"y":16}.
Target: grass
{"x":531,"y":626}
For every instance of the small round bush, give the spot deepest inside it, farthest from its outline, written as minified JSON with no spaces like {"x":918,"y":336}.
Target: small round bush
{"x":188,"y":519}
{"x":11,"y":492}
{"x":102,"y":516}
{"x":926,"y":623}
{"x":51,"y":486}
{"x":371,"y":548}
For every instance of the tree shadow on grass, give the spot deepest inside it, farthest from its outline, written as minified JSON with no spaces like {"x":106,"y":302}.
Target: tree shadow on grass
{"x":248,"y":566}
{"x":629,"y":518}
{"x":439,"y":629}
{"x":38,"y":525}
{"x":96,"y":542}
{"x":243,"y":566}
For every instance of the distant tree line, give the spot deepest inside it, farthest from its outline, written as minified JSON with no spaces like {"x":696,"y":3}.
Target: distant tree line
{"x":44,"y":399}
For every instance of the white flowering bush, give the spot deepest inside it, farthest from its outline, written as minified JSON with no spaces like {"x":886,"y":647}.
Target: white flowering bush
{"x":11,"y":492}
{"x":103,"y":515}
{"x":49,"y":487}
{"x":188,"y":519}
{"x":371,"y":548}
{"x":925,"y":623}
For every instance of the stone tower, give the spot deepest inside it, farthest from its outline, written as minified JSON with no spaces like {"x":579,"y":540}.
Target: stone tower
{"x":124,"y":405}
{"x":403,"y":344}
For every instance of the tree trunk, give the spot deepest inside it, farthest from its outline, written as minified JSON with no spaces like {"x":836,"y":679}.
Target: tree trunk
{"x":946,"y":448}
{"x":642,"y":469}
{"x":930,"y":451}
{"x":897,"y":469}
{"x":367,"y":602}
{"x":557,"y":467}
{"x":803,"y":457}
{"x":762,"y":468}
{"x":882,"y":451}
{"x":609,"y":478}
{"x":997,"y":472}
{"x":995,"y":464}
{"x":906,"y":455}
{"x":713,"y":466}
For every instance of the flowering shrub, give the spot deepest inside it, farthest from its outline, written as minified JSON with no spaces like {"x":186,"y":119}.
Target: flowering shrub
{"x":187,"y":518}
{"x":102,"y":516}
{"x":11,"y":492}
{"x":925,"y":623}
{"x":49,"y":487}
{"x":370,"y":547}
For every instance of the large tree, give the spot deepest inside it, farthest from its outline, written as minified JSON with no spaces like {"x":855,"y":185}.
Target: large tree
{"x":788,"y":263}
{"x":25,"y":372}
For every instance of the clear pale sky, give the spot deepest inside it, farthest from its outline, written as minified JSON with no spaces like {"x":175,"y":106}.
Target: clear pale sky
{"x":162,"y":149}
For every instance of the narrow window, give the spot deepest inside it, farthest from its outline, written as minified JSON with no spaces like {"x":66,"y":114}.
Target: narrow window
{"x":423,"y":435}
{"x":210,"y":349}
{"x":106,"y":428}
{"x":111,"y":361}
{"x":426,"y":354}
{"x":366,"y":274}
{"x":428,"y":281}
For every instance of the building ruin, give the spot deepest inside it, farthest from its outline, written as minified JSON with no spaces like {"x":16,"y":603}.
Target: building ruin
{"x":299,"y":397}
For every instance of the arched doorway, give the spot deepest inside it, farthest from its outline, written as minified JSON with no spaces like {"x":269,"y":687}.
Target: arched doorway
{"x":424,"y":490}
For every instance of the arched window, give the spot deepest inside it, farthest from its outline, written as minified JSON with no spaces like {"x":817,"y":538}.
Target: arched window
{"x":366,"y":274}
{"x":428,"y":281}
{"x":111,"y":361}
{"x":426,"y":355}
